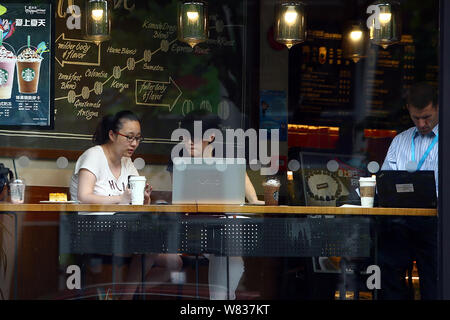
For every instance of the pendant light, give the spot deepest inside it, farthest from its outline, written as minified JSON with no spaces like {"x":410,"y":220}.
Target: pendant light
{"x":354,"y":42}
{"x":290,"y":23}
{"x":98,"y":20}
{"x":193,"y":22}
{"x":385,"y":23}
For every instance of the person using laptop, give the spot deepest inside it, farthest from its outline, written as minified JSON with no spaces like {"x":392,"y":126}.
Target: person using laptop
{"x":101,"y":177}
{"x":217,"y":271}
{"x":407,"y":239}
{"x":210,"y":121}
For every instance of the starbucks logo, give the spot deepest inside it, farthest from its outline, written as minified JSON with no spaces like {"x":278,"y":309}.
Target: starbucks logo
{"x":28,"y":74}
{"x":3,"y":77}
{"x":275,"y":195}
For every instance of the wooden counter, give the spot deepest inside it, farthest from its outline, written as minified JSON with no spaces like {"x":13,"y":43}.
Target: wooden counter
{"x":317,"y":210}
{"x":204,"y":208}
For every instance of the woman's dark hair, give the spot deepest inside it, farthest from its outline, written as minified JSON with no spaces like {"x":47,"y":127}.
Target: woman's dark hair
{"x":111,"y":122}
{"x":208,"y":119}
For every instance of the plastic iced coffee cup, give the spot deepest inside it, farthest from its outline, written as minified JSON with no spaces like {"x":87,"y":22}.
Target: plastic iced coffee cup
{"x":137,"y":189}
{"x":7,"y":65}
{"x":28,"y":68}
{"x":17,"y":189}
{"x":367,"y":191}
{"x":271,"y":192}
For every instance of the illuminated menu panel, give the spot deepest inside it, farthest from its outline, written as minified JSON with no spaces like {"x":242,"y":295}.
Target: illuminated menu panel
{"x":325,"y":82}
{"x":333,"y":90}
{"x":390,"y":73}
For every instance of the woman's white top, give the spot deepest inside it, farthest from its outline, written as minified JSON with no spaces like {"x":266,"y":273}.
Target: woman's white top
{"x":94,"y":160}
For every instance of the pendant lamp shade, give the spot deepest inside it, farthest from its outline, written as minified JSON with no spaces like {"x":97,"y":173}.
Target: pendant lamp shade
{"x":385,"y":23}
{"x":354,"y":42}
{"x":290,"y":23}
{"x":98,"y":20}
{"x":192,"y":22}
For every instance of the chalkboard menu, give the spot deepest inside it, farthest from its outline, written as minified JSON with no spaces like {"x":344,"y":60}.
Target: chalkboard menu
{"x":25,"y":64}
{"x":145,"y":69}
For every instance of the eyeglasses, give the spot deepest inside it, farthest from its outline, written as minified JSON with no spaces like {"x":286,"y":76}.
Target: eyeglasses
{"x":130,"y":139}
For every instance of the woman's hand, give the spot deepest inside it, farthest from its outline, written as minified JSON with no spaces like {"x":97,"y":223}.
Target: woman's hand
{"x":250,"y":192}
{"x":125,"y":197}
{"x":257,"y":202}
{"x":147,"y":194}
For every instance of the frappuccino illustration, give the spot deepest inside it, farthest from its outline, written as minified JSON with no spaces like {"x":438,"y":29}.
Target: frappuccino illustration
{"x":28,"y":67}
{"x":7,"y":65}
{"x":7,"y":59}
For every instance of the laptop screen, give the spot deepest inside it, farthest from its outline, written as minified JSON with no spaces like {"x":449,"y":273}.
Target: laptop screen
{"x":330,"y":179}
{"x":403,"y":189}
{"x":208,"y":181}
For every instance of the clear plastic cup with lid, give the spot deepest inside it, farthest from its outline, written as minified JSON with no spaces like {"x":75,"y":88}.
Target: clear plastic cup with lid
{"x":17,"y":189}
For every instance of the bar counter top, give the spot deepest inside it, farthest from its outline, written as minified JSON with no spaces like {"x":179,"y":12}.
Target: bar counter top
{"x":207,"y":208}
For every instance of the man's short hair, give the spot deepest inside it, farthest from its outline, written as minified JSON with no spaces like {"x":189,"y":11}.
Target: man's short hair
{"x":420,"y":95}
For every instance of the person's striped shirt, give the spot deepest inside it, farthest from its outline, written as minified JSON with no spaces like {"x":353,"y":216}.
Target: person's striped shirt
{"x":399,"y":153}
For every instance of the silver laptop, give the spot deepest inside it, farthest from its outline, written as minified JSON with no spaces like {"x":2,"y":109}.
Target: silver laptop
{"x":208,"y":181}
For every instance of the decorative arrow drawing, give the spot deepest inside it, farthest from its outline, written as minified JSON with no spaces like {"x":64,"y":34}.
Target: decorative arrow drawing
{"x":156,"y":93}
{"x":75,"y":51}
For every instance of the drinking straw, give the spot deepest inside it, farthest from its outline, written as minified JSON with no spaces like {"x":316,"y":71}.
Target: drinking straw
{"x":28,"y":41}
{"x":1,"y":37}
{"x":14,"y":164}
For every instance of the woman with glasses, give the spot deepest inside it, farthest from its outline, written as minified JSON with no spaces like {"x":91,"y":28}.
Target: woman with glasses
{"x":101,"y":177}
{"x":101,"y":172}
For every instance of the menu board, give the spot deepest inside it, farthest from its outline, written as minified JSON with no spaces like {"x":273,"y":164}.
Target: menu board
{"x":329,"y":89}
{"x":389,"y":73}
{"x":144,"y":68}
{"x":25,"y":64}
{"x":324,"y":80}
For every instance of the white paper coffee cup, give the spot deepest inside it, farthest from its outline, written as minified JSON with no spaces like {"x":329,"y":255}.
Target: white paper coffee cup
{"x":137,"y":188}
{"x":367,"y":191}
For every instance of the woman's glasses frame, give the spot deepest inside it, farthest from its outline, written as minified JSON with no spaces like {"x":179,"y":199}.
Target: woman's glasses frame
{"x":130,"y":139}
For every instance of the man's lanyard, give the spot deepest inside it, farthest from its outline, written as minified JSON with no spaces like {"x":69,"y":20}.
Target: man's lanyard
{"x":425,"y":155}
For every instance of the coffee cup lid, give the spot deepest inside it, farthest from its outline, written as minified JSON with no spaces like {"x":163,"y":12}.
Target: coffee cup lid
{"x":272,"y":182}
{"x":367,"y":179}
{"x":138,"y":178}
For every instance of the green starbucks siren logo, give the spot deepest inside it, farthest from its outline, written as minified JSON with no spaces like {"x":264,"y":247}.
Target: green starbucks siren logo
{"x":3,"y":77}
{"x":28,"y":74}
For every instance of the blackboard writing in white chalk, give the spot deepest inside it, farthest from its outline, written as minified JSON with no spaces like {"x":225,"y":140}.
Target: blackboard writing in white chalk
{"x":146,"y":69}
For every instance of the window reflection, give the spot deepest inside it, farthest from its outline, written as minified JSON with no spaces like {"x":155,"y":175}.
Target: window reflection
{"x":341,"y":118}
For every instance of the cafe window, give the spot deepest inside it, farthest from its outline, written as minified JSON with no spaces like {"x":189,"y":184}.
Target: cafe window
{"x":290,"y":147}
